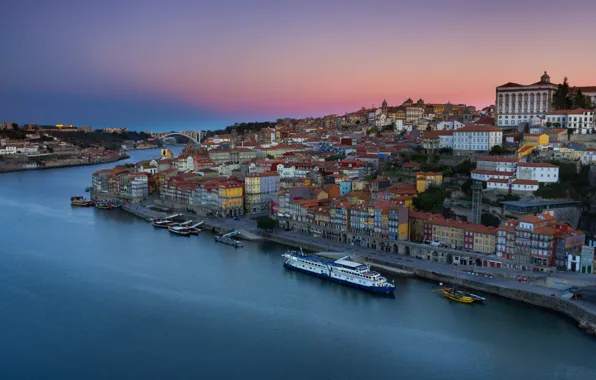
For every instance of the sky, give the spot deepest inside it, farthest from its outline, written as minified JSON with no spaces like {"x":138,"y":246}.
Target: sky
{"x":192,"y":64}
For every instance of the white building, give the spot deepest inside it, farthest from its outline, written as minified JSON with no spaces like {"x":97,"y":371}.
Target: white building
{"x":589,"y":156}
{"x":517,"y":103}
{"x":524,"y":185}
{"x":499,"y":184}
{"x":414,"y":114}
{"x":139,"y":186}
{"x":8,"y":150}
{"x":538,"y":171}
{"x":292,"y":172}
{"x":446,"y":141}
{"x":499,"y":164}
{"x":476,"y":137}
{"x":486,"y":175}
{"x":580,"y":120}
{"x":451,"y":125}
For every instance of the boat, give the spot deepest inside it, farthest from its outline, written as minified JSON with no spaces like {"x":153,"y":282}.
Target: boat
{"x":80,"y":201}
{"x":228,"y":240}
{"x":104,"y":206}
{"x":343,"y":271}
{"x":456,"y":295}
{"x":184,"y":229}
{"x":166,"y":223}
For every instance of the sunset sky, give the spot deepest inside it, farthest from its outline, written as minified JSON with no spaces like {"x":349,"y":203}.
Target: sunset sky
{"x":160,"y":65}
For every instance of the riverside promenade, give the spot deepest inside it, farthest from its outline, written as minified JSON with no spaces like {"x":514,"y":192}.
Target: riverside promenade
{"x":496,"y":281}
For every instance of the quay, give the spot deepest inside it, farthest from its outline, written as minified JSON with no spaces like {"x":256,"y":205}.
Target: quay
{"x":499,"y":282}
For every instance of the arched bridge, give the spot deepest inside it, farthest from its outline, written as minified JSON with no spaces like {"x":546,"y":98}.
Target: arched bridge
{"x":194,"y":136}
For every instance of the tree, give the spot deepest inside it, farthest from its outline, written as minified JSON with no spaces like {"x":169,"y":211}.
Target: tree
{"x":466,"y":187}
{"x":448,"y":151}
{"x":549,"y":124}
{"x":431,"y":200}
{"x":496,"y":150}
{"x":266,"y":223}
{"x":465,"y":167}
{"x":335,"y":157}
{"x":581,"y":101}
{"x":561,"y":99}
{"x":269,"y":156}
{"x":429,"y":128}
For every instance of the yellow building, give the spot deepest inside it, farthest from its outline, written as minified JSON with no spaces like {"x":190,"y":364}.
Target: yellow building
{"x":536,"y":139}
{"x":231,"y":198}
{"x":425,"y":180}
{"x":525,"y":150}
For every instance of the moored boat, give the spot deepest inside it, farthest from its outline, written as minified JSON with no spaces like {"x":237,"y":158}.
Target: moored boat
{"x":104,"y":206}
{"x":228,"y":240}
{"x":184,"y":229}
{"x":456,"y":295}
{"x":343,"y":271}
{"x":80,"y":201}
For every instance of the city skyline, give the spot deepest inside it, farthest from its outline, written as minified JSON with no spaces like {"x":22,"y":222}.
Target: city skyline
{"x":180,"y":64}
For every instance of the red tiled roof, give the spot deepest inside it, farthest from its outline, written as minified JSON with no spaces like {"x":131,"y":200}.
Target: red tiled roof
{"x":498,"y":180}
{"x":497,"y":159}
{"x":525,"y":182}
{"x":478,"y":128}
{"x":492,"y":172}
{"x":510,"y":84}
{"x":536,"y":165}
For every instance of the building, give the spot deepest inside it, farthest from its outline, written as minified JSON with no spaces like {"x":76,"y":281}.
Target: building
{"x":517,"y":103}
{"x":431,"y":140}
{"x":476,"y":138}
{"x":538,"y":171}
{"x":589,"y":156}
{"x":260,"y":190}
{"x":536,"y":139}
{"x":500,"y":164}
{"x":486,"y":175}
{"x":524,"y":185}
{"x":428,"y":179}
{"x":581,"y":121}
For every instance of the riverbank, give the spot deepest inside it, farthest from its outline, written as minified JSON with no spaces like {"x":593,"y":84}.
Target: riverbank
{"x":4,"y":169}
{"x":491,"y":281}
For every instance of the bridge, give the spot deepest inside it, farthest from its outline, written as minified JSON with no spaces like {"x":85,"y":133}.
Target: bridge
{"x":194,"y":136}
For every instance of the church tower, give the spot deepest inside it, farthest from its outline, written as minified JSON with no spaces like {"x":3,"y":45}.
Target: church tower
{"x":384,"y":106}
{"x":545,"y":78}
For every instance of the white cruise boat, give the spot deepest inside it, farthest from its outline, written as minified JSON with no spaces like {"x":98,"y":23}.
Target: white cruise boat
{"x":343,"y":271}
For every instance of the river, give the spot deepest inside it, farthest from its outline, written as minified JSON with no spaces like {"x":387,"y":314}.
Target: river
{"x":93,"y":294}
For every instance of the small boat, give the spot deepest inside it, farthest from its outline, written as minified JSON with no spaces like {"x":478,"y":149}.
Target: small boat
{"x":166,"y":223}
{"x":476,"y":297}
{"x":182,"y":231}
{"x":456,"y":295}
{"x":81,"y":202}
{"x":228,"y":240}
{"x":104,"y":206}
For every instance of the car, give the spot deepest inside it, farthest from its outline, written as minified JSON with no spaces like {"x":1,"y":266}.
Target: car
{"x":236,"y":218}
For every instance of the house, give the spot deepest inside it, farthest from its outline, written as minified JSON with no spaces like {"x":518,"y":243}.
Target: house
{"x":476,"y":138}
{"x":538,"y":171}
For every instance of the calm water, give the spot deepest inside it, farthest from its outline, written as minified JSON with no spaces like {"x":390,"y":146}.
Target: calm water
{"x":91,"y":294}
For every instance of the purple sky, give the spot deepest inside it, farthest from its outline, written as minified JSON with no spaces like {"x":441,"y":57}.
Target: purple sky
{"x":195,"y":64}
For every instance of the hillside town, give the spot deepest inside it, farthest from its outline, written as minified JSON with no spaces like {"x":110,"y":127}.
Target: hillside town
{"x":32,"y":146}
{"x":508,"y":186}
